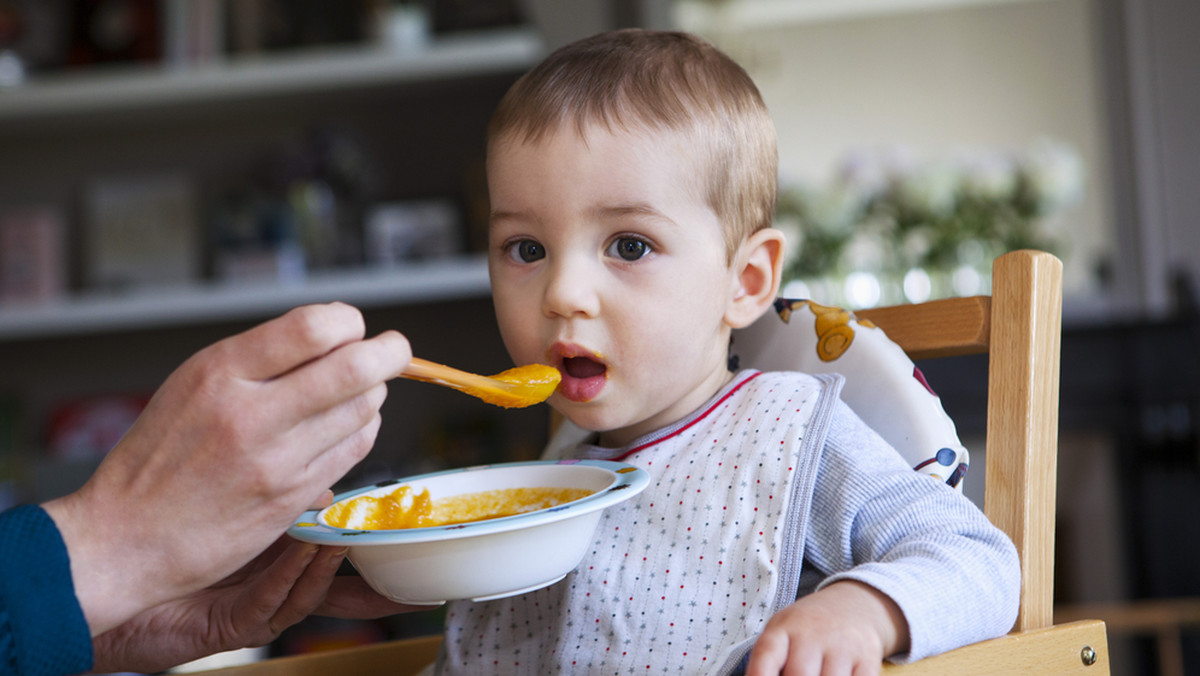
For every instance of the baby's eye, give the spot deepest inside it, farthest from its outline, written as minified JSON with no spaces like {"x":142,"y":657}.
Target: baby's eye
{"x":526,"y":251}
{"x":629,"y":248}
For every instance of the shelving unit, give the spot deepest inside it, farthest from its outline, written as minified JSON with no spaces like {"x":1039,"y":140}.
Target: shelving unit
{"x":693,"y":14}
{"x":419,"y":114}
{"x":368,"y":287}
{"x":132,"y":94}
{"x":118,"y":89}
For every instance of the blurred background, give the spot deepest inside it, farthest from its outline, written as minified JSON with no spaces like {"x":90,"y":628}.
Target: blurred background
{"x":174,"y":171}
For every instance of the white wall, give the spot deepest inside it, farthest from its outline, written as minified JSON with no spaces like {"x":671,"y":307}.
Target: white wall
{"x":939,"y":80}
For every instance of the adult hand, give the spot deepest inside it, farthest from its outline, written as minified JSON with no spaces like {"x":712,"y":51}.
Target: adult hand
{"x":239,"y":440}
{"x":280,"y":587}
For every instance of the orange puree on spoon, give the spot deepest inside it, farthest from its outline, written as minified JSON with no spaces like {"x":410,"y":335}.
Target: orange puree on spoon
{"x":532,"y":384}
{"x":515,"y":388}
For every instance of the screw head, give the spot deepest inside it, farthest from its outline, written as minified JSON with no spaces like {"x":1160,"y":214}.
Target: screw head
{"x":1087,"y":655}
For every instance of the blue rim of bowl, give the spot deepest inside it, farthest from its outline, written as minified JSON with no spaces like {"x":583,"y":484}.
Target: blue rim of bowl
{"x":628,"y":481}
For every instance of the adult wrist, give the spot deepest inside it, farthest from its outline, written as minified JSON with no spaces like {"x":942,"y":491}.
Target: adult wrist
{"x":112,"y":577}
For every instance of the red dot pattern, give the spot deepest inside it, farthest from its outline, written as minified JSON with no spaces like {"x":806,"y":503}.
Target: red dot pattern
{"x":678,"y":577}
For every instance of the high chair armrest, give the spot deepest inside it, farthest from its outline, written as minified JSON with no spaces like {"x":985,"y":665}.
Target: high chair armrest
{"x":1060,"y":650}
{"x":403,"y":657}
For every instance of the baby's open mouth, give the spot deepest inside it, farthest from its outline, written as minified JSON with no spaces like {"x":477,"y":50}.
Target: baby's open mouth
{"x":583,"y":367}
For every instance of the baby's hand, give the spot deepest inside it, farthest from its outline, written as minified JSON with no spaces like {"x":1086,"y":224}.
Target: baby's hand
{"x":846,"y":628}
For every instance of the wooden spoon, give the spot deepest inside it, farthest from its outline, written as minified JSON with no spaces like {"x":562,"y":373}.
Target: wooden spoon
{"x":515,"y":388}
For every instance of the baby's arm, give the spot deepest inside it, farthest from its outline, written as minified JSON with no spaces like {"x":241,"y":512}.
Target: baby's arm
{"x":845,"y":628}
{"x":927,"y":556}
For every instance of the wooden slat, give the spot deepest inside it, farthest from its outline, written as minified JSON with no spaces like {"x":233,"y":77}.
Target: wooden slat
{"x":1022,"y":425}
{"x":404,"y":657}
{"x":1164,"y":620}
{"x":1052,"y":651}
{"x":940,"y":328}
{"x":1143,"y":616}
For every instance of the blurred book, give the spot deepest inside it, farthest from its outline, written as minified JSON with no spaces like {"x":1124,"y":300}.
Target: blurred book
{"x":263,"y":25}
{"x":35,"y":33}
{"x":453,"y":16}
{"x":141,"y":231}
{"x":32,"y":255}
{"x":407,"y":231}
{"x":113,"y":31}
{"x":193,"y":31}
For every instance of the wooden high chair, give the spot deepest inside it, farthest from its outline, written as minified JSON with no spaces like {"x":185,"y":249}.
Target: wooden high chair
{"x":1019,"y":325}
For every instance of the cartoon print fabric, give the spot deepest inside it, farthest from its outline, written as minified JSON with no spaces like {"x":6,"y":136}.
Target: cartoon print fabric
{"x":883,"y":385}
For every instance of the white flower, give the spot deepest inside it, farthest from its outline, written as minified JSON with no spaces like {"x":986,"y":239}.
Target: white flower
{"x":834,"y":210}
{"x":989,"y":176}
{"x":1054,"y":173}
{"x":914,"y":246}
{"x":865,"y":251}
{"x":931,"y":189}
{"x":870,"y":172}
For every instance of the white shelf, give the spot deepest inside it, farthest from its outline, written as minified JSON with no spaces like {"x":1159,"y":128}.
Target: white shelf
{"x":743,"y":14}
{"x":310,"y":72}
{"x":451,"y":279}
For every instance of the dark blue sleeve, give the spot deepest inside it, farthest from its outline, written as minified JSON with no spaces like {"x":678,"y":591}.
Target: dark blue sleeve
{"x":42,"y":628}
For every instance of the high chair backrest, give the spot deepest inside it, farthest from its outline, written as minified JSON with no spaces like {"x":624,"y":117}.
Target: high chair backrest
{"x":1020,"y":327}
{"x":880,"y":382}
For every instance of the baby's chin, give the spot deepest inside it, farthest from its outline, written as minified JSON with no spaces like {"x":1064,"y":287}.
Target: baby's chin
{"x":612,"y":433}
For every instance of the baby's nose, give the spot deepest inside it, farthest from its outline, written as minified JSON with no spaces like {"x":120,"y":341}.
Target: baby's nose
{"x":571,"y":291}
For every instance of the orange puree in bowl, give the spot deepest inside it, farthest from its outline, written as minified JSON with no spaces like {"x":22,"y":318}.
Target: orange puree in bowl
{"x":403,"y":508}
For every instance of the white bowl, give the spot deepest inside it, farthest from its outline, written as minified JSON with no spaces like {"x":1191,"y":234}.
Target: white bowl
{"x":481,"y":560}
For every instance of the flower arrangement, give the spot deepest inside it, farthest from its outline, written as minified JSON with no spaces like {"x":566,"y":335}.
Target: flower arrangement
{"x":893,"y":218}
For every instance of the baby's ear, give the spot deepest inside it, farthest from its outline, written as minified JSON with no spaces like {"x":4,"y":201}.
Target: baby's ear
{"x":758,"y":268}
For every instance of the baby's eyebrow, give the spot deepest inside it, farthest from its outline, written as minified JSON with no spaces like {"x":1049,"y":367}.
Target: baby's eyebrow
{"x":501,"y":215}
{"x":637,"y":209}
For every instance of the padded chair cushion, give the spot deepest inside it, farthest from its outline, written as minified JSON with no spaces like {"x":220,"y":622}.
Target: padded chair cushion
{"x":883,"y":386}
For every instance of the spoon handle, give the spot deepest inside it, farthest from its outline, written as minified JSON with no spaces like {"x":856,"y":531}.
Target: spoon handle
{"x":433,"y":372}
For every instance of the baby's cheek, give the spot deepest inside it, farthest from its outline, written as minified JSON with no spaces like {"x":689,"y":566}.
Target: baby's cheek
{"x":519,"y":340}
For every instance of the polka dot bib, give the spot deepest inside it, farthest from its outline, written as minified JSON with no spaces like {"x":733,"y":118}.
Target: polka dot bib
{"x":681,"y":578}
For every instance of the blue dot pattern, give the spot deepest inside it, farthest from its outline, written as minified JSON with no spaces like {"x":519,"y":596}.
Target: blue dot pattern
{"x":681,"y":578}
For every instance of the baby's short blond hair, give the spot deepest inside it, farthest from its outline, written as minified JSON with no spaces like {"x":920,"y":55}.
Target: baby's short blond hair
{"x":635,"y":79}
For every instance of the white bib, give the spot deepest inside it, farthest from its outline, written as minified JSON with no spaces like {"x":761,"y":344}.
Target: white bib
{"x":682,"y":578}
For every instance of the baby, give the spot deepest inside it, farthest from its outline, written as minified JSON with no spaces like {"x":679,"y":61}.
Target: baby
{"x":632,"y":178}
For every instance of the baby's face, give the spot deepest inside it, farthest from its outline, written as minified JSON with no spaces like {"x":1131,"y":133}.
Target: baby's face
{"x":607,"y":263}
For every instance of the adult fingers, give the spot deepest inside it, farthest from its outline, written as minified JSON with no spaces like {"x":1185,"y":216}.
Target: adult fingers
{"x":314,"y":435}
{"x":323,"y":501}
{"x":280,"y":345}
{"x":309,"y":589}
{"x":332,"y":463}
{"x":266,"y":559}
{"x":252,"y":617}
{"x":341,"y":375}
{"x":350,"y":597}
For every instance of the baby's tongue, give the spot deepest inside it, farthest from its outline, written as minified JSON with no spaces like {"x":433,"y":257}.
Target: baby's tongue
{"x":582,"y":367}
